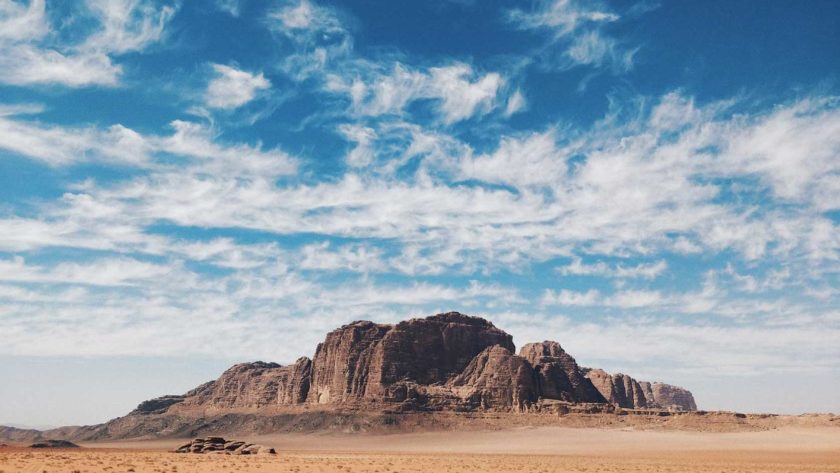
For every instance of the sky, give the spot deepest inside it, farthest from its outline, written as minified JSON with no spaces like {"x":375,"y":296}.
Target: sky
{"x":186,"y":185}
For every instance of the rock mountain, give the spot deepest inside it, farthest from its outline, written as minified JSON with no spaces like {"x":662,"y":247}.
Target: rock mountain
{"x":431,"y":369}
{"x":449,"y":361}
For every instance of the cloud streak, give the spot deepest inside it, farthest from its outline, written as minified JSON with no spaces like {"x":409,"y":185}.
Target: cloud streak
{"x":31,"y":55}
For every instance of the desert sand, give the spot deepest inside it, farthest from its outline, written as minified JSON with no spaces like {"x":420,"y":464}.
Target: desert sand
{"x":545,"y":449}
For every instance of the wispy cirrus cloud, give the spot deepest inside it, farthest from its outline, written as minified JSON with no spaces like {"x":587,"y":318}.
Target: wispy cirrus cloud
{"x":575,"y":34}
{"x":460,"y":92}
{"x":323,"y":50}
{"x":642,"y":270}
{"x":61,"y":146}
{"x":127,"y":25}
{"x":631,"y":195}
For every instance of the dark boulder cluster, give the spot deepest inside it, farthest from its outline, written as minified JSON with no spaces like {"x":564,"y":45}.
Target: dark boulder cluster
{"x":157,"y":405}
{"x":448,"y":361}
{"x":54,"y":444}
{"x":219,"y":445}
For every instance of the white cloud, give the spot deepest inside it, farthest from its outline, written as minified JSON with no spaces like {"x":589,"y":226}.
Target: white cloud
{"x":622,"y":197}
{"x":233,"y":7}
{"x":323,"y":48}
{"x":565,"y":16}
{"x":629,"y":299}
{"x":22,"y":64}
{"x":576,"y":29}
{"x":19,"y":22}
{"x":592,"y":48}
{"x":633,"y":193}
{"x":570,"y":298}
{"x":635,"y":299}
{"x":460,"y":98}
{"x":533,"y":160}
{"x":29,"y":54}
{"x":363,"y":153}
{"x":516,"y":103}
{"x":303,"y":16}
{"x":214,"y":158}
{"x":317,"y":35}
{"x":357,"y":258}
{"x":58,"y":146}
{"x":104,"y":272}
{"x":460,"y":93}
{"x":202,"y":235}
{"x":127,"y":25}
{"x":642,"y":270}
{"x":795,"y":149}
{"x":233,"y":88}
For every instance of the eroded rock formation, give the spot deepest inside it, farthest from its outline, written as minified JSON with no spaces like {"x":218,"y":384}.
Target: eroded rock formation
{"x":496,"y":378}
{"x":447,"y":361}
{"x":219,"y":445}
{"x":558,"y":375}
{"x":666,"y":396}
{"x":625,"y":392}
{"x":256,"y":384}
{"x":363,"y":360}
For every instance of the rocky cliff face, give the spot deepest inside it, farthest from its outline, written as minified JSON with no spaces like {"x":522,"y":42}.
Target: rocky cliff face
{"x":362,"y":360}
{"x":673,"y":398}
{"x":497,"y":379}
{"x":558,"y":375}
{"x":256,"y":384}
{"x":625,"y":392}
{"x":447,"y":361}
{"x":343,"y":362}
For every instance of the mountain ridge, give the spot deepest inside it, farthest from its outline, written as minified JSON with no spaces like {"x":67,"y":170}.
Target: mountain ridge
{"x":444,"y":363}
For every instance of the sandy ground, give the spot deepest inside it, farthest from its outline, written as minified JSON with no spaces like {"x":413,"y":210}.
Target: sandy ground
{"x":549,"y":449}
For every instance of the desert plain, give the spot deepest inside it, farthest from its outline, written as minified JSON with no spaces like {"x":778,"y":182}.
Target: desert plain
{"x":793,"y":448}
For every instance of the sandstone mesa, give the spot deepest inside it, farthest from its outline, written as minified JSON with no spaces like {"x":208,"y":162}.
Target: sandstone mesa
{"x":446,"y":361}
{"x":442,"y":364}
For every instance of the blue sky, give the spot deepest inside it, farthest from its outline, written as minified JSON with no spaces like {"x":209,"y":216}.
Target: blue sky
{"x":184,"y":185}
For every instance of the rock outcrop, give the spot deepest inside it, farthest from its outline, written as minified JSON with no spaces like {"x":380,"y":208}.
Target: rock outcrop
{"x":618,"y":389}
{"x":343,"y":362}
{"x":54,"y":444}
{"x":625,"y":392}
{"x":219,"y":445}
{"x":673,"y":398}
{"x":558,"y":375}
{"x":497,"y":379}
{"x":445,"y":362}
{"x":364,"y":360}
{"x":256,"y":384}
{"x":157,"y":405}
